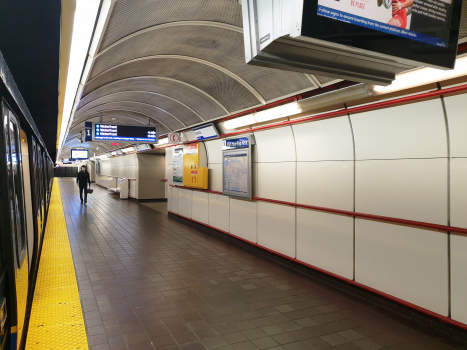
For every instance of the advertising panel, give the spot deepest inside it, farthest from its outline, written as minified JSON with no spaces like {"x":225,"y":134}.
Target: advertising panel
{"x":410,"y":19}
{"x":178,"y":165}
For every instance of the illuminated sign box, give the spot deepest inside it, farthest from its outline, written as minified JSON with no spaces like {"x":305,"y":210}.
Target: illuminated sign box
{"x":357,"y":40}
{"x":79,"y":154}
{"x":124,"y":133}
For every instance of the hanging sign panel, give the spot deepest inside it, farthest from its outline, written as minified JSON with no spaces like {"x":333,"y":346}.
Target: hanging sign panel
{"x":178,"y":165}
{"x":205,"y":132}
{"x":127,"y":133}
{"x":87,"y":131}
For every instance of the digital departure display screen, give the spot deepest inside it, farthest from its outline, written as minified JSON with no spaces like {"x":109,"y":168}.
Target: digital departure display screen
{"x":128,"y":133}
{"x":77,"y":154}
{"x":405,"y":18}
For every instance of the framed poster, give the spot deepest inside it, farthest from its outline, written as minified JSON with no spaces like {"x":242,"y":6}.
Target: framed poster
{"x":236,"y":167}
{"x":178,"y":165}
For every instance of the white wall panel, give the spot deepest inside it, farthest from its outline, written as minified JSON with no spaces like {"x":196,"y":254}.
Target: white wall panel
{"x":169,"y":197}
{"x":413,"y":189}
{"x":169,"y":174}
{"x":185,"y":202}
{"x":200,"y":209}
{"x":243,"y":219}
{"x":275,"y":145}
{"x":459,"y":278}
{"x":169,"y":155}
{"x":214,"y":151}
{"x":219,"y":211}
{"x":415,"y":130}
{"x":325,"y":241}
{"x":329,"y":139}
{"x":215,"y":177}
{"x":276,"y":181}
{"x":455,"y":109}
{"x":175,"y":199}
{"x":459,"y":192}
{"x":408,"y":263}
{"x":276,"y":227}
{"x":326,"y":184}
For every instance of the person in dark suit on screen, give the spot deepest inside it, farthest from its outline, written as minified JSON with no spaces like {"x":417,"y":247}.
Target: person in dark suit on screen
{"x":82,"y":180}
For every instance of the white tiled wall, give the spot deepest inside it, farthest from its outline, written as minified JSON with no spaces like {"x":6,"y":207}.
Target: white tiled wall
{"x":243,"y":219}
{"x":219,"y":211}
{"x":415,"y":130}
{"x":459,"y":278}
{"x":412,"y":189}
{"x":459,"y":192}
{"x":406,"y":262}
{"x":185,"y":198}
{"x":455,"y":108}
{"x":326,"y":184}
{"x":200,"y":209}
{"x":391,"y":162}
{"x":326,"y":241}
{"x":276,"y":227}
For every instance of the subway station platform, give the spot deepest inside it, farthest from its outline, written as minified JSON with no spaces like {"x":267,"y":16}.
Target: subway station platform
{"x":148,"y":281}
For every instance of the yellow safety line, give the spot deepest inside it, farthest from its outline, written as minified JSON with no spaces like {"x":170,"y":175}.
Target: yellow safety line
{"x":56,"y":316}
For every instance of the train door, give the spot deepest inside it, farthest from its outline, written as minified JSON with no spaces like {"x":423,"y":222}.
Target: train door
{"x":27,"y":194}
{"x":18,"y":263}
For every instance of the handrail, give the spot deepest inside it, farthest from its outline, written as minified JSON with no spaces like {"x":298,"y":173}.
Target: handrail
{"x":413,"y":223}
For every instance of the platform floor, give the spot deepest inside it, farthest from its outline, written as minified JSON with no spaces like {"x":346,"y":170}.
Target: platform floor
{"x":150,"y":282}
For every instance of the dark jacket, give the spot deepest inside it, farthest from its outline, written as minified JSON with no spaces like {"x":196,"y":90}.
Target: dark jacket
{"x":83,"y":178}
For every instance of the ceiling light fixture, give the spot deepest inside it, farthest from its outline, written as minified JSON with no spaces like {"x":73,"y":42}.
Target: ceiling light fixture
{"x":163,"y":141}
{"x":83,"y":49}
{"x":128,"y":149}
{"x":421,"y":77}
{"x":263,"y":116}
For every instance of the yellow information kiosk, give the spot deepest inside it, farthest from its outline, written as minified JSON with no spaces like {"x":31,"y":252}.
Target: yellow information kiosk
{"x":195,"y":171}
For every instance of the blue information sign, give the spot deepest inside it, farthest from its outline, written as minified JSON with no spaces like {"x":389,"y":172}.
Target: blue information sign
{"x":87,"y":131}
{"x":241,"y":142}
{"x":128,"y":133}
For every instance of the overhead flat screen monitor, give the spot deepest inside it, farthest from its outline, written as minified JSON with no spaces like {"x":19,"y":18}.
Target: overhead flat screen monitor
{"x":79,"y":154}
{"x":127,"y":133}
{"x":419,"y":30}
{"x":205,"y":132}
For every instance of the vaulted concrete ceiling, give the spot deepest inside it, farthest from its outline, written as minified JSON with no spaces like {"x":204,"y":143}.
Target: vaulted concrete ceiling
{"x":176,"y":64}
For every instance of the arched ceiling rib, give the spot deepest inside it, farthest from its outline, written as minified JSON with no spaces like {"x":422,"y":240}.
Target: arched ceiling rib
{"x":179,"y":63}
{"x":172,"y":106}
{"x":163,"y":117}
{"x":171,"y":65}
{"x":197,"y":99}
{"x":130,"y":16}
{"x":217,"y":45}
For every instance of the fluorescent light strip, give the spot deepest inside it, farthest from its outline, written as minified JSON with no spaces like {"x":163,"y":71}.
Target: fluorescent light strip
{"x":82,"y":41}
{"x":422,"y":76}
{"x":263,"y":116}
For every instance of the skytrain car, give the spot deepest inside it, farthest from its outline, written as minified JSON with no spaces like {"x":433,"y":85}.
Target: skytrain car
{"x":26,"y":175}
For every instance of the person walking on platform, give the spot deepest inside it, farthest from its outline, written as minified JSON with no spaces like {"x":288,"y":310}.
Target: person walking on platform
{"x":82,"y":180}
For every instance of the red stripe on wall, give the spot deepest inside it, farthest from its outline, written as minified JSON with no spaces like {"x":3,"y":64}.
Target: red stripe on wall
{"x":418,"y":224}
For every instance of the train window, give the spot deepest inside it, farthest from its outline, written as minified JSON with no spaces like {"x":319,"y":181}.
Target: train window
{"x":16,"y":166}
